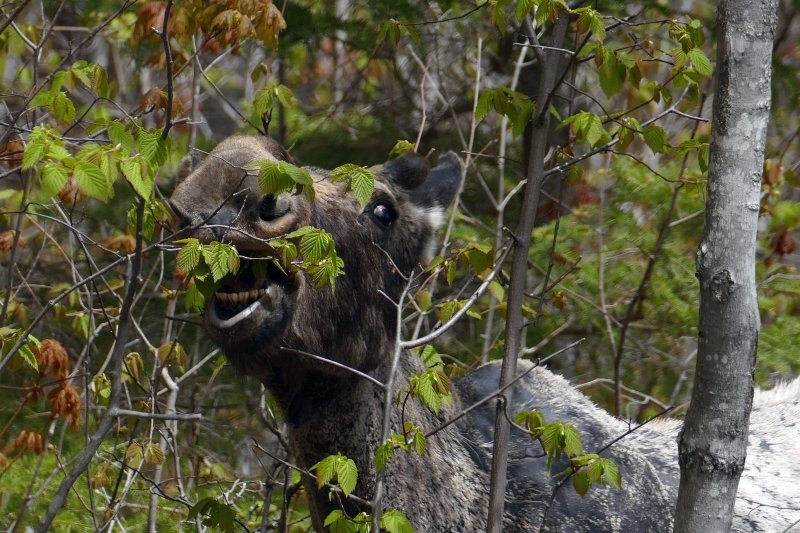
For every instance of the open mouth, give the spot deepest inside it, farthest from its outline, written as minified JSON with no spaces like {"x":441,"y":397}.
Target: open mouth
{"x":257,"y":287}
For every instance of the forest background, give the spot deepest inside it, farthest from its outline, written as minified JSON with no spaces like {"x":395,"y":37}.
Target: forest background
{"x":101,"y":100}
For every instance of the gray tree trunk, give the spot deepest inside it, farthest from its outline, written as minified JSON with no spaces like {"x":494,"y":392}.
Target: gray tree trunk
{"x":713,"y":444}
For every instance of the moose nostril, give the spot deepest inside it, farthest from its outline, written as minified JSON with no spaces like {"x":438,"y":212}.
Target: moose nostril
{"x":270,"y":208}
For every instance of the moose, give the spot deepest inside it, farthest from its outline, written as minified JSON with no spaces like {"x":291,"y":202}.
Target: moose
{"x":266,"y":322}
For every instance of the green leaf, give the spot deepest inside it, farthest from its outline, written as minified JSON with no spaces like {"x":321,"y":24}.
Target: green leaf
{"x":572,"y":440}
{"x":655,"y":137}
{"x":394,"y":521}
{"x":424,"y":300}
{"x":612,"y":74}
{"x":34,"y":152}
{"x":611,"y":473}
{"x":62,"y":107}
{"x":347,"y":475}
{"x":152,"y":147}
{"x":119,"y":135}
{"x":99,"y":80}
{"x":383,"y":454}
{"x":580,"y":482}
{"x":401,"y":147}
{"x":221,"y":259}
{"x":360,"y":181}
{"x":325,"y":470}
{"x":54,"y":177}
{"x":431,"y":357}
{"x":189,"y":256}
{"x":132,"y":170}
{"x":27,"y":356}
{"x":92,"y":182}
{"x":484,"y":105}
{"x":700,"y":62}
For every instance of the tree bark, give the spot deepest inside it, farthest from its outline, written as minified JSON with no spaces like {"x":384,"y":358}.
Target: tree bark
{"x":713,"y":443}
{"x":519,"y":268}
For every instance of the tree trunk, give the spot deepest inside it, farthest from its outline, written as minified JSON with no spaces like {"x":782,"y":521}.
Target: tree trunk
{"x":550,"y":60}
{"x":713,"y":444}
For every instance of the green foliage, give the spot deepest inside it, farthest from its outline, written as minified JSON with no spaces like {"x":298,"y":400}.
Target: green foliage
{"x":515,"y":105}
{"x":269,"y":94}
{"x":557,"y":438}
{"x":319,"y":255}
{"x":276,"y":177}
{"x":215,"y":514}
{"x":401,"y":147}
{"x":359,"y":180}
{"x":338,"y":471}
{"x":392,"y":521}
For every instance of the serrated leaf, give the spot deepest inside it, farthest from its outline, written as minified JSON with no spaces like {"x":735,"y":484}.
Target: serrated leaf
{"x":62,"y":107}
{"x":383,"y":454}
{"x":153,"y":454}
{"x":701,"y":63}
{"x":394,"y":521}
{"x":580,"y":482}
{"x":325,"y":470}
{"x":119,"y":135}
{"x":484,"y":105}
{"x":572,"y":440}
{"x":360,"y":180}
{"x":54,"y":178}
{"x":152,"y":147}
{"x":431,"y":357}
{"x":221,"y":259}
{"x":655,"y":137}
{"x":92,"y":182}
{"x":28,"y":356}
{"x":34,"y":152}
{"x":612,"y":75}
{"x":346,"y":475}
{"x":189,"y":256}
{"x":611,"y":473}
{"x":134,"y":453}
{"x":131,"y":168}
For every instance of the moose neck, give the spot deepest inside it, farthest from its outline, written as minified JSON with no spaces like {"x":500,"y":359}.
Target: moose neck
{"x":329,"y":414}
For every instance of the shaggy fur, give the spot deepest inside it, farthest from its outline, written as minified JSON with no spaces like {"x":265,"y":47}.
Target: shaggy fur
{"x":329,"y":410}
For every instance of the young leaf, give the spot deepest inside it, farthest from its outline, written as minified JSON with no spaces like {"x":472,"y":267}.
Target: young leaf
{"x":360,"y":181}
{"x":131,"y":168}
{"x":401,"y":147}
{"x":346,"y":475}
{"x":92,"y":182}
{"x":611,"y":473}
{"x":701,"y":63}
{"x":62,"y":107}
{"x":54,"y":177}
{"x":189,"y":255}
{"x":120,"y":136}
{"x":394,"y":521}
{"x":655,"y":137}
{"x":580,"y":481}
{"x":152,"y":147}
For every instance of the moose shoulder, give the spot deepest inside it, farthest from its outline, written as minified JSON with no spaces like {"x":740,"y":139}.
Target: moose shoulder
{"x":265,"y":319}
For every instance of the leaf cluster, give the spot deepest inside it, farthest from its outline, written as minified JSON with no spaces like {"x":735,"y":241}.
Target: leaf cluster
{"x":557,"y":439}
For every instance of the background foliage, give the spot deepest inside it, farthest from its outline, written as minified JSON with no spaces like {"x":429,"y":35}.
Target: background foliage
{"x":86,"y":89}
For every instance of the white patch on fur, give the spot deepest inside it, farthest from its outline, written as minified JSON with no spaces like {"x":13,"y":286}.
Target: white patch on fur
{"x":785,"y":392}
{"x":434,"y":215}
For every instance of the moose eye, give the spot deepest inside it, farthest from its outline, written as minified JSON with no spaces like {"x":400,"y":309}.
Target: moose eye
{"x":383,"y":214}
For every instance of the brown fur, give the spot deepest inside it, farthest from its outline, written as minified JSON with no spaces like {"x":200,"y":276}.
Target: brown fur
{"x":329,"y":410}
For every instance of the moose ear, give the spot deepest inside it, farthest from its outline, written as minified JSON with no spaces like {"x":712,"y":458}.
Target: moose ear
{"x":407,"y":171}
{"x":189,"y":162}
{"x":442,"y":184}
